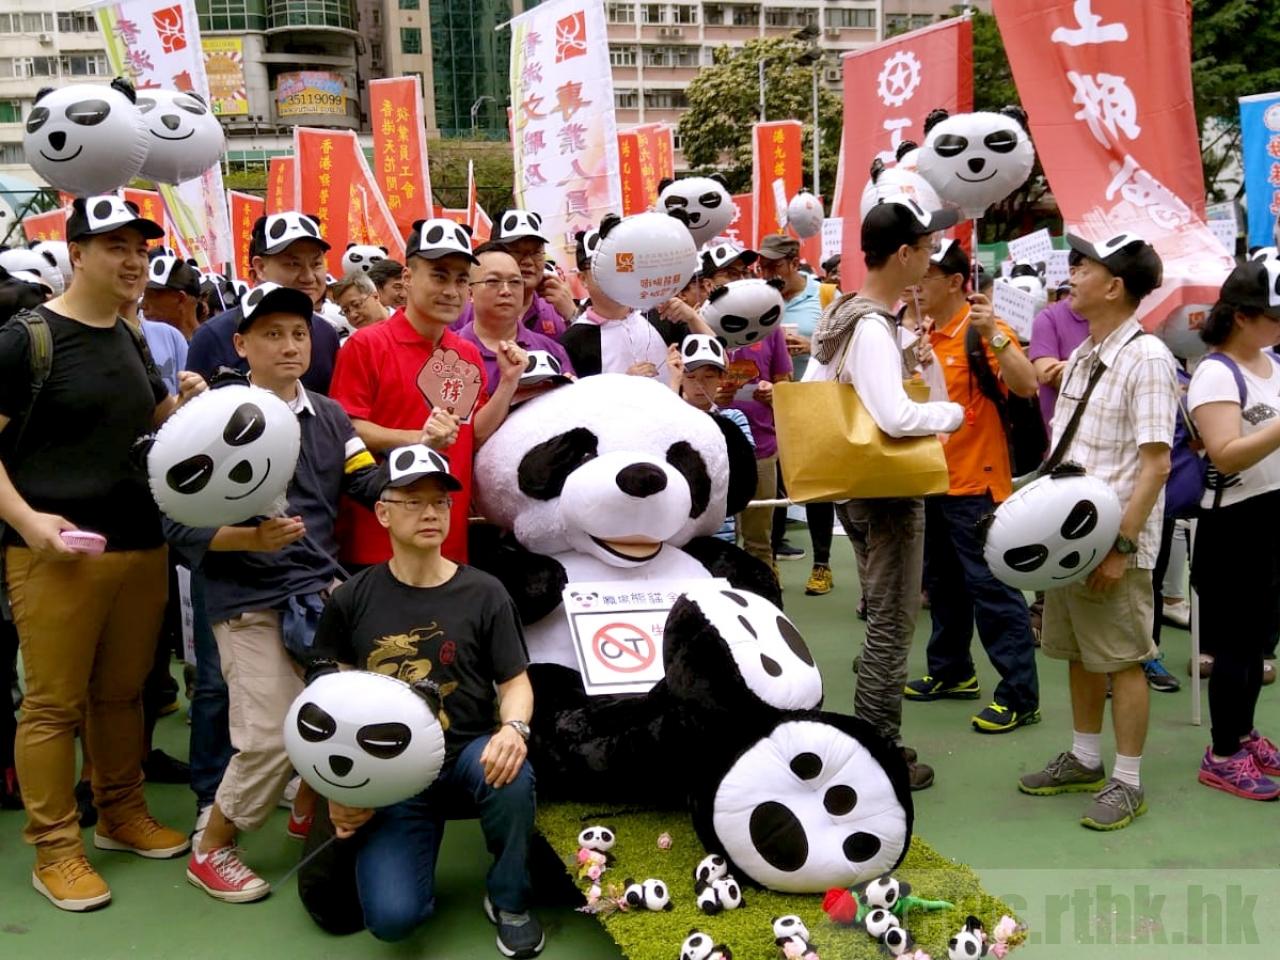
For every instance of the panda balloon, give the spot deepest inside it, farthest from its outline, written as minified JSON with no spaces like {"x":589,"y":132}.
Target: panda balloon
{"x":744,"y":311}
{"x":40,"y":262}
{"x":974,"y":160}
{"x":804,"y":215}
{"x":364,"y":739}
{"x":224,"y":457}
{"x":57,"y":249}
{"x":360,"y":258}
{"x":644,"y":260}
{"x":902,"y":177}
{"x":184,"y":137}
{"x":86,"y":138}
{"x":705,"y":202}
{"x":1054,"y":531}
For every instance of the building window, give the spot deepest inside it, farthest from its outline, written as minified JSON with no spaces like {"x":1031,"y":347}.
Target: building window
{"x":670,"y":56}
{"x":409,"y":4}
{"x":12,"y":153}
{"x":622,"y":56}
{"x":37,"y":22}
{"x":230,"y":15}
{"x":665,"y":100}
{"x":653,"y":13}
{"x":375,"y":52}
{"x":625,"y":99}
{"x":865,"y":19}
{"x":677,"y":141}
{"x":85,"y":65}
{"x":746,"y":16}
{"x":410,"y":40}
{"x":10,"y":111}
{"x":309,"y":13}
{"x":622,"y":13}
{"x":77,"y":22}
{"x":684,"y":14}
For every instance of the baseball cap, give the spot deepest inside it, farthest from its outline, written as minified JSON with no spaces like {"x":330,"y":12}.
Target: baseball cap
{"x":586,"y":242}
{"x":274,"y":233}
{"x":542,"y":367}
{"x":831,"y":263}
{"x":408,"y":464}
{"x":267,"y":298}
{"x":513,"y":225}
{"x":778,"y":246}
{"x":1127,"y":256}
{"x":439,"y":237}
{"x":951,"y":258}
{"x":900,"y":221}
{"x":91,"y":216}
{"x":702,"y":350}
{"x":1254,"y":284}
{"x":172,"y":273}
{"x":721,"y":255}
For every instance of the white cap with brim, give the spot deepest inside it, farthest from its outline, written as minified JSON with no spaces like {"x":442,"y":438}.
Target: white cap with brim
{"x":408,"y":464}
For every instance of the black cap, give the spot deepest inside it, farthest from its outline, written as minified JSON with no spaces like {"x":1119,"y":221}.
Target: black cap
{"x":275,"y":232}
{"x":439,"y":237}
{"x":408,"y":464}
{"x":268,"y":298}
{"x":172,"y":273}
{"x":722,"y":254}
{"x":831,"y":263}
{"x":1127,"y":256}
{"x":899,"y":221}
{"x":951,"y":258}
{"x":1255,"y":285}
{"x":91,"y":216}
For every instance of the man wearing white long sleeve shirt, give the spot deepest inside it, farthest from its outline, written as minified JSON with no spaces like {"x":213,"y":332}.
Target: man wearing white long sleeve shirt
{"x":857,"y":342}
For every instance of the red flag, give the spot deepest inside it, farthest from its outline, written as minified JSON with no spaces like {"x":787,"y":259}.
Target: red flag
{"x":471,"y":195}
{"x":483,"y":226}
{"x":1116,"y":130}
{"x":665,"y":151}
{"x":629,"y":173}
{"x":889,"y":89}
{"x":51,"y":225}
{"x":149,"y":205}
{"x":400,"y":149}
{"x":281,"y":188}
{"x":777,"y":168}
{"x":245,"y":210}
{"x":741,"y":229}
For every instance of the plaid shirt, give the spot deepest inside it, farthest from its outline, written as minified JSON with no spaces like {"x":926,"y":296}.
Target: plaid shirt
{"x":1135,"y":402}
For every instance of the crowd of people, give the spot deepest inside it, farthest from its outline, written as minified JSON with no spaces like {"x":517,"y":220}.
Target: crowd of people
{"x":375,"y":542}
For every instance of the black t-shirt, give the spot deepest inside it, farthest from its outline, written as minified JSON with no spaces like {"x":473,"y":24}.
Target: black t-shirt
{"x":75,"y":456}
{"x":464,"y":635}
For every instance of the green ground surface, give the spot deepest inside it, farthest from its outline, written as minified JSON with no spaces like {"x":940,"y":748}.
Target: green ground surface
{"x":1199,"y":876}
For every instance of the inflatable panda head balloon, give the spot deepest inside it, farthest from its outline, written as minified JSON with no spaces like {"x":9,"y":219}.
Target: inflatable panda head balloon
{"x":705,"y":201}
{"x":804,"y":215}
{"x":644,"y":260}
{"x":1053,"y":531}
{"x":57,"y":249}
{"x":364,"y":739}
{"x":360,"y":258}
{"x":903,"y":177}
{"x":744,"y":311}
{"x":1030,"y":279}
{"x":225,"y":456}
{"x":86,"y":138}
{"x":184,"y":137}
{"x":42,"y":263}
{"x":974,"y":160}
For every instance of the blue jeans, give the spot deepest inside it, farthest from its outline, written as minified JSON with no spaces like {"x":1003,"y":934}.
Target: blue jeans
{"x":396,"y":864}
{"x":962,"y":591}
{"x":210,"y":749}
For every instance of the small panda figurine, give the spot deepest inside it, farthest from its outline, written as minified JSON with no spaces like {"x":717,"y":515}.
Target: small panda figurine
{"x":650,"y":894}
{"x":969,"y":943}
{"x":896,"y":941}
{"x":600,"y":839}
{"x":884,"y":891}
{"x":709,"y":869}
{"x":360,"y":258}
{"x":878,"y":922}
{"x":791,"y":931}
{"x":723,"y":893}
{"x":697,"y":946}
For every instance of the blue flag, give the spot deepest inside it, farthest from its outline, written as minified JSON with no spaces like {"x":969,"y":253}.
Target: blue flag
{"x":1260,"y":140}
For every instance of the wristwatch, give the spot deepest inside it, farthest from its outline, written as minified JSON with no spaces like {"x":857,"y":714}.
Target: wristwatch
{"x":1124,"y":546}
{"x":521,"y":728}
{"x":999,"y":342}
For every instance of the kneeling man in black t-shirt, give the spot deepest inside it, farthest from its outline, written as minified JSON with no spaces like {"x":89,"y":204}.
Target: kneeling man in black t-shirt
{"x":422,"y":617}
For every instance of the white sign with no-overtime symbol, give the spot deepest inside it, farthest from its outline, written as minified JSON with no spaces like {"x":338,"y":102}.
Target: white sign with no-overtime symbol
{"x":617,"y":629}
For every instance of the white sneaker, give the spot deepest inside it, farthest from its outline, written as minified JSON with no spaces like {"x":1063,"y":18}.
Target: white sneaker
{"x":1176,"y":614}
{"x":290,"y":791}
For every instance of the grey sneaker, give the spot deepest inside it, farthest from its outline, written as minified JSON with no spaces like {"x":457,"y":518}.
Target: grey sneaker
{"x":519,"y":934}
{"x":1114,"y":807}
{"x":1063,"y":774}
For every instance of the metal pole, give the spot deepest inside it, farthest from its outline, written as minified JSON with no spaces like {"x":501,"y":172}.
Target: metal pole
{"x":817,"y":133}
{"x":762,"y":63}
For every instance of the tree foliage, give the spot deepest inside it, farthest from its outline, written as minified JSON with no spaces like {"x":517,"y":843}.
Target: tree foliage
{"x":724,"y":101}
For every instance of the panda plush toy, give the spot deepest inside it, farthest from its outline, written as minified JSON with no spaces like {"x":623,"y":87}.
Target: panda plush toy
{"x":360,"y":258}
{"x":969,"y":943}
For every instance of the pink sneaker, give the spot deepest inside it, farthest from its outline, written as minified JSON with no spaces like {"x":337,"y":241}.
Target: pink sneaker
{"x":222,"y":875}
{"x":1239,"y":775}
{"x":1265,"y":753}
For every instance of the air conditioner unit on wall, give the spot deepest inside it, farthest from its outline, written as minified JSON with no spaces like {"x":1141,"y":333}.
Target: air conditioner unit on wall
{"x":45,"y":37}
{"x":833,"y":31}
{"x":833,"y":75}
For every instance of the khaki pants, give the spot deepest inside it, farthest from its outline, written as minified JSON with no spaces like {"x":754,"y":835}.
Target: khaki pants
{"x":87,"y":630}
{"x":756,"y":523}
{"x":262,"y":682}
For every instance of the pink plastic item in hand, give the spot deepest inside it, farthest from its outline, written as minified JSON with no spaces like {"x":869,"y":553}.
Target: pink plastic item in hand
{"x":82,"y":541}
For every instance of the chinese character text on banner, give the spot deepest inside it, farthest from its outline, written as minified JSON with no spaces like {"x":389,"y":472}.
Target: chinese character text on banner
{"x":282,"y":185}
{"x":51,"y":225}
{"x":565,"y":138}
{"x":777,"y":171}
{"x":245,"y":210}
{"x":888,"y":91}
{"x":1115,"y":130}
{"x":400,"y":149}
{"x":1260,"y":141}
{"x":149,"y":205}
{"x":157,"y":44}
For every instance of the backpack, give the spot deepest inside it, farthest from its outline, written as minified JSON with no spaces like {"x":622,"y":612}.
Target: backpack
{"x":1191,"y":473}
{"x":1023,"y":424}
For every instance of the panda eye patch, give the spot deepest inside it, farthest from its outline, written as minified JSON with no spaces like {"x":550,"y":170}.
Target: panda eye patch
{"x":245,"y":426}
{"x":192,"y":106}
{"x":950,"y":145}
{"x":384,"y":740}
{"x":88,"y":113}
{"x":693,"y":468}
{"x":1002,"y":141}
{"x":36,"y":118}
{"x":674,"y":201}
{"x":314,"y":724}
{"x":1080,"y":521}
{"x":190,"y":475}
{"x":545,"y":468}
{"x":146,"y":104}
{"x":1027,"y":558}
{"x":711,"y":200}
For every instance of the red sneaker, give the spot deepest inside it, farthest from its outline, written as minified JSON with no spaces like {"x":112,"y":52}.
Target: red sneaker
{"x":300,"y":827}
{"x":222,"y":875}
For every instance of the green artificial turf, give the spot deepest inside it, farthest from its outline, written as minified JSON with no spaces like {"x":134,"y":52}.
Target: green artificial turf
{"x":645,"y":935}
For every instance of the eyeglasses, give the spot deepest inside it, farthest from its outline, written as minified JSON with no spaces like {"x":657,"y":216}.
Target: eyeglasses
{"x":354,"y":305}
{"x":414,"y":505}
{"x":494,"y":285}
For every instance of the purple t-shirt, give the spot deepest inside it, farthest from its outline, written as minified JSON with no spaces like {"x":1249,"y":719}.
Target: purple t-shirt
{"x":541,"y":317}
{"x":765,"y":359}
{"x":529,"y":339}
{"x":1056,"y":331}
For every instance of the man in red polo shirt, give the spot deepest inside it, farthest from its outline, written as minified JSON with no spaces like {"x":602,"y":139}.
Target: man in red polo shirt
{"x":412,"y":380}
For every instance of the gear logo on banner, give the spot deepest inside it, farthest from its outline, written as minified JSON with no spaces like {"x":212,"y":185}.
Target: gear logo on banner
{"x":899,"y":79}
{"x":169,"y":27}
{"x":571,"y":36}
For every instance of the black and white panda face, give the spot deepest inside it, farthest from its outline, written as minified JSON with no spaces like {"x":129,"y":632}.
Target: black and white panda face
{"x":650,"y":894}
{"x":57,"y":249}
{"x":728,"y":892}
{"x":41,"y":263}
{"x":86,"y":138}
{"x":708,"y":900}
{"x":878,"y":921}
{"x":966,"y":945}
{"x":224,"y":457}
{"x":282,"y":229}
{"x":185,"y":138}
{"x":600,"y":839}
{"x":1052,"y":532}
{"x":885,"y":891}
{"x":744,"y":311}
{"x":359,"y":257}
{"x":709,"y":869}
{"x":514,"y":224}
{"x":701,"y":349}
{"x":704,"y":201}
{"x":897,"y":941}
{"x":976,"y":159}
{"x":609,"y":466}
{"x":771,"y":655}
{"x":364,"y":739}
{"x":790,"y":926}
{"x":539,"y":368}
{"x":808,"y":808}
{"x":697,"y":946}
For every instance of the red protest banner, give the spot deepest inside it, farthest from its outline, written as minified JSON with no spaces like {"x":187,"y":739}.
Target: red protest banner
{"x":742,"y":227}
{"x":281,"y":186}
{"x":889,"y":89}
{"x":245,"y":210}
{"x":629,"y":173}
{"x":777,"y":168}
{"x":665,"y":151}
{"x":649,"y":141}
{"x":400,"y":149}
{"x":51,"y":225}
{"x":149,"y":205}
{"x":1116,"y":130}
